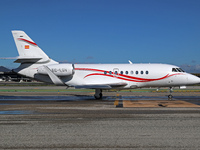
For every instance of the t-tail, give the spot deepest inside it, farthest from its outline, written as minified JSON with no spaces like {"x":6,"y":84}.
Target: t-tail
{"x":31,"y":55}
{"x":28,"y":50}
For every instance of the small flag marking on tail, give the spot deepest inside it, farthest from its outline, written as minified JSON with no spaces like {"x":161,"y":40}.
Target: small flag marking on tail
{"x":26,"y":46}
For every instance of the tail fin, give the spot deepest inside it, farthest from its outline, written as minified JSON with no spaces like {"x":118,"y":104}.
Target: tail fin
{"x":28,"y":50}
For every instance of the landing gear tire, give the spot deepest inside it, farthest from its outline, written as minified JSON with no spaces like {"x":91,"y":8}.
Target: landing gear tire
{"x":98,"y":94}
{"x":170,"y":97}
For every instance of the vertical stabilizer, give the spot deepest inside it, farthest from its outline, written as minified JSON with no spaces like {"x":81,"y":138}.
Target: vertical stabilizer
{"x":28,"y":50}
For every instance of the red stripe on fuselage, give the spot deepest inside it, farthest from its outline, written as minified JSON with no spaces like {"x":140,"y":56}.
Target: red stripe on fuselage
{"x":123,"y":77}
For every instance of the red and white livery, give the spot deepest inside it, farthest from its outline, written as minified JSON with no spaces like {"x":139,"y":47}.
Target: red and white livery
{"x":36,"y":64}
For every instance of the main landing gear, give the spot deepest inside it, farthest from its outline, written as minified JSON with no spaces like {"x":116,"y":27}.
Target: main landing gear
{"x":98,"y":94}
{"x":170,"y":95}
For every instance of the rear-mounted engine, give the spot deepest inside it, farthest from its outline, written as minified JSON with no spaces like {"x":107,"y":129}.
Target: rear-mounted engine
{"x":58,"y":69}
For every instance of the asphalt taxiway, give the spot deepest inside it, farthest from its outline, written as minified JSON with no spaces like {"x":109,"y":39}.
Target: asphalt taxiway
{"x":119,"y":121}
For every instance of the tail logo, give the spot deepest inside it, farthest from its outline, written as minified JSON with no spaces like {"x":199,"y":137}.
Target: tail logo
{"x":26,"y":47}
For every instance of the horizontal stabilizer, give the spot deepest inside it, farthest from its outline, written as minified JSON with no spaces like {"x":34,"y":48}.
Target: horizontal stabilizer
{"x":7,"y":58}
{"x":27,"y":59}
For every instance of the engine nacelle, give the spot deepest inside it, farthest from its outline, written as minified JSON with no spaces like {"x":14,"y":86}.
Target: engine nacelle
{"x":58,"y":69}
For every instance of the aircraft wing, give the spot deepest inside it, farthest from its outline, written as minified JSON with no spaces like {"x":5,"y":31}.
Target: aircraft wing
{"x":101,"y":86}
{"x":57,"y":81}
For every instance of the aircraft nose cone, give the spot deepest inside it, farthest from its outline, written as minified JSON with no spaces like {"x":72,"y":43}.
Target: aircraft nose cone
{"x":193,"y":79}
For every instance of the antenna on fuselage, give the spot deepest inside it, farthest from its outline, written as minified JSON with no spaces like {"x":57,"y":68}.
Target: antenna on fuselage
{"x":130,"y":62}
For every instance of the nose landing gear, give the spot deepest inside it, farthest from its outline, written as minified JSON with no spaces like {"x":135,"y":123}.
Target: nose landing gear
{"x":170,"y":95}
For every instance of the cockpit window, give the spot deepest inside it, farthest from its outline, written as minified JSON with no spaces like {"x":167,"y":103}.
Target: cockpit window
{"x":181,"y":70}
{"x":177,"y":70}
{"x":174,"y":70}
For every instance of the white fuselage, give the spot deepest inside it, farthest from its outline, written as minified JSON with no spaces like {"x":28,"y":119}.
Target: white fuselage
{"x":36,"y":64}
{"x":133,"y":75}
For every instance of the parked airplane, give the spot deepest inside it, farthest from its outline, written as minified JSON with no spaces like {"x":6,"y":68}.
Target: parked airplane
{"x":36,"y":64}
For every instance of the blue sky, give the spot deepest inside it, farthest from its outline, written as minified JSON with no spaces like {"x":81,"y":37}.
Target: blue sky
{"x":105,"y":31}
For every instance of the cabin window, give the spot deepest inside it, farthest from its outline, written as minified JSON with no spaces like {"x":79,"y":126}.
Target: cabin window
{"x":116,"y":72}
{"x":147,"y":72}
{"x":121,"y":72}
{"x":131,"y":72}
{"x":105,"y":72}
{"x":126,"y":72}
{"x":136,"y":72}
{"x":142,"y":72}
{"x":110,"y":72}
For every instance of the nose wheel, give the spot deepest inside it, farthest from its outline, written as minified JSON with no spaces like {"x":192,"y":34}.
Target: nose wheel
{"x":170,"y":95}
{"x":98,"y":94}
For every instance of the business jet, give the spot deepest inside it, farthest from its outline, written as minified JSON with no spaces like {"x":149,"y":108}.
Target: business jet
{"x":34,"y":63}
